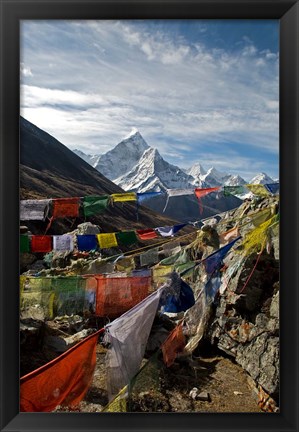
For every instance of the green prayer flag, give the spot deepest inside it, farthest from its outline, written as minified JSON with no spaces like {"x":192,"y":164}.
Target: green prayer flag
{"x":126,"y":237}
{"x":233,"y":190}
{"x":94,"y":204}
{"x":24,"y":243}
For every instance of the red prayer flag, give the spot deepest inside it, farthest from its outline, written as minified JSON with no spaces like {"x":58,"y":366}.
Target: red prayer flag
{"x":201,"y":192}
{"x":65,"y":207}
{"x":147,"y":234}
{"x":41,"y":243}
{"x":174,"y":344}
{"x":63,"y":381}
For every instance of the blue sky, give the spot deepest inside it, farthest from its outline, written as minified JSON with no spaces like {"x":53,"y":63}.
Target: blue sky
{"x":198,"y":90}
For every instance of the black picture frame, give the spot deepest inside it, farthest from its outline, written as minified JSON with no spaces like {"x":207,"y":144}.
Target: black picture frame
{"x":287,"y":11}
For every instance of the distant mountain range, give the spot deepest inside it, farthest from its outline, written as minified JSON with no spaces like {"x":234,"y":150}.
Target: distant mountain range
{"x":134,"y":165}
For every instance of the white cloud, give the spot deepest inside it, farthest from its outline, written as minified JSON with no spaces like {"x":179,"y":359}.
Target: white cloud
{"x":25,"y":70}
{"x":107,"y":77}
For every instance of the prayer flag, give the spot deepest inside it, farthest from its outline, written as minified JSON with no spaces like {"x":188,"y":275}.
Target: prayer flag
{"x":214,"y":261}
{"x":212,"y":287}
{"x":160,"y":274}
{"x":34,"y":209}
{"x":169,"y":230}
{"x":124,"y":359}
{"x":117,"y":294}
{"x":149,"y":257}
{"x":65,"y":207}
{"x":143,"y":196}
{"x":146,"y":234}
{"x":63,"y":381}
{"x":181,"y":301}
{"x":107,"y":240}
{"x":41,"y":243}
{"x":177,"y":192}
{"x":258,"y":189}
{"x":126,"y":196}
{"x":173,"y":345}
{"x":126,"y":237}
{"x":233,"y":190}
{"x":119,"y":402}
{"x":87,"y":242}
{"x":201,"y":192}
{"x":229,"y":235}
{"x":24,"y":243}
{"x":94,"y":204}
{"x":69,"y":294}
{"x":273,"y":188}
{"x":63,"y":242}
{"x":261,"y":217}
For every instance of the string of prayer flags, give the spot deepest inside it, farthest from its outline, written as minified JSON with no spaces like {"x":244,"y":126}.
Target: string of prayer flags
{"x":116,"y":295}
{"x":149,"y":257}
{"x":169,"y":230}
{"x":94,"y":204}
{"x":258,"y":189}
{"x":87,"y":242}
{"x":273,"y":188}
{"x":107,"y":240}
{"x":134,"y":326}
{"x":201,"y":192}
{"x":229,"y":235}
{"x":146,"y":234}
{"x":41,"y":243}
{"x":234,"y":190}
{"x":63,"y":243}
{"x":126,"y":237}
{"x":65,"y":207}
{"x":176,"y":192}
{"x":63,"y":381}
{"x":174,"y":344}
{"x":214,"y":261}
{"x":24,"y":243}
{"x":34,"y":209}
{"x":126,"y":196}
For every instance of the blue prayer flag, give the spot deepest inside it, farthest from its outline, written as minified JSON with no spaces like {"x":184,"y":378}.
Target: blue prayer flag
{"x":87,"y":242}
{"x":273,"y":188}
{"x":214,"y":261}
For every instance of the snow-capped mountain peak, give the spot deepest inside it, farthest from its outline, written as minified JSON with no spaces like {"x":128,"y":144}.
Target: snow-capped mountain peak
{"x":196,"y":170}
{"x":133,"y":132}
{"x":261,"y":178}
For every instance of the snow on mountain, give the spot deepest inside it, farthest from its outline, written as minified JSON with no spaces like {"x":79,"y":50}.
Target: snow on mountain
{"x":122,"y":158}
{"x":261,"y":178}
{"x":213,"y":177}
{"x":234,"y":180}
{"x":91,"y":159}
{"x":153,"y":173}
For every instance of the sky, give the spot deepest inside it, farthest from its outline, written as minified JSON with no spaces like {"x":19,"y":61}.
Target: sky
{"x":197,"y":90}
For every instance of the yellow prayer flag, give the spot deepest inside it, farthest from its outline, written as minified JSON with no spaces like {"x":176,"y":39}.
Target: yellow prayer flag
{"x":258,"y":189}
{"x":261,"y":217}
{"x":121,"y":197}
{"x":107,"y":240}
{"x":160,"y":273}
{"x":119,"y":403}
{"x":125,"y":264}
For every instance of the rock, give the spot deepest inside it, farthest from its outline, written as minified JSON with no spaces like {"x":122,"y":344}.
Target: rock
{"x":63,"y":343}
{"x":203,"y":396}
{"x":238,"y":393}
{"x":193,"y":393}
{"x":87,"y":228}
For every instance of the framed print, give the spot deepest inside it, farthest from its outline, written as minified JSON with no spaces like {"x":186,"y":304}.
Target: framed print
{"x":149,"y":214}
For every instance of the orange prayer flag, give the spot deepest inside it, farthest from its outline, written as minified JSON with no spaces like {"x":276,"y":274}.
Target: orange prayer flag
{"x":65,"y":207}
{"x":116,"y":295}
{"x":63,"y":381}
{"x":174,"y":344}
{"x":201,"y":192}
{"x":229,"y":235}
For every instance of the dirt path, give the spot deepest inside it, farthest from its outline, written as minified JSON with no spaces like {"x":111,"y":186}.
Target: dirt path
{"x":224,"y":381}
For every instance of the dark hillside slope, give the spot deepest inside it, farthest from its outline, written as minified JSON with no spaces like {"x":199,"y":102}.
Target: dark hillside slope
{"x":48,"y":169}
